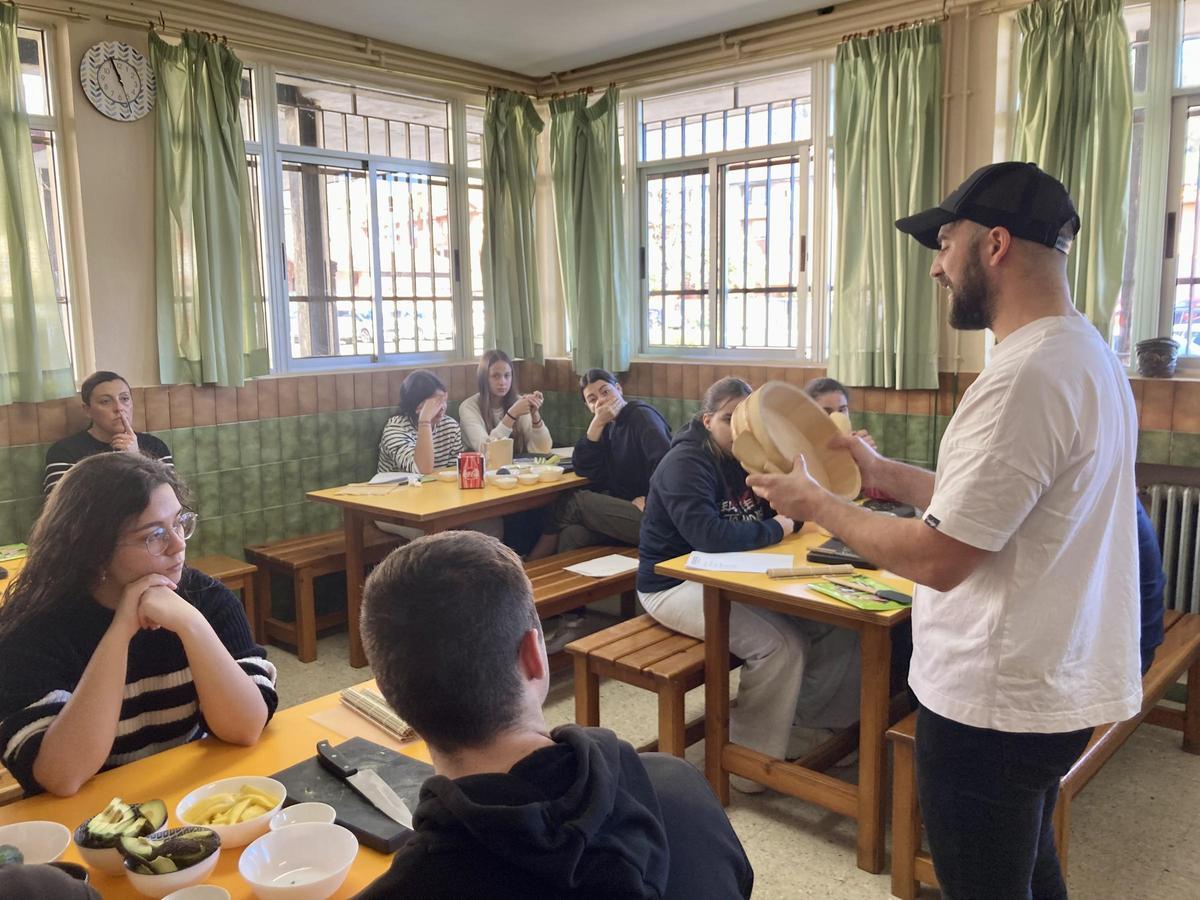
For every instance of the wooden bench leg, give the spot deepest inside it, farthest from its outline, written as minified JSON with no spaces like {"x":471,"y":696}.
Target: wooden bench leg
{"x":306,"y":617}
{"x":628,"y":604}
{"x":672,"y":729}
{"x":248,"y":601}
{"x":1191,"y":712}
{"x":1062,"y":828}
{"x":587,"y":693}
{"x":906,"y":822}
{"x":262,"y":604}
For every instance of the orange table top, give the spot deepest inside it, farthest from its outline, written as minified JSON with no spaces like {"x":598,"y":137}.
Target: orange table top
{"x":434,"y":500}
{"x":12,"y":567}
{"x":290,"y":738}
{"x":792,"y":593}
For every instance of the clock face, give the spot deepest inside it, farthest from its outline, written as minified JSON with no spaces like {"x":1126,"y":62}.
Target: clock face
{"x":117,"y":80}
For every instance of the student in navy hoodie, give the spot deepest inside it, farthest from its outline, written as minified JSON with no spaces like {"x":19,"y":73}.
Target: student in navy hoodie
{"x":800,"y":679}
{"x":516,"y":810}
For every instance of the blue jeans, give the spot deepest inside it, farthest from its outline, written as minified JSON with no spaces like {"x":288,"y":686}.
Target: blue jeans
{"x":987,"y":800}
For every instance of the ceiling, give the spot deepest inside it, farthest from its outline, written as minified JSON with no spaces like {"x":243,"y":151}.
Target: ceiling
{"x":536,"y":37}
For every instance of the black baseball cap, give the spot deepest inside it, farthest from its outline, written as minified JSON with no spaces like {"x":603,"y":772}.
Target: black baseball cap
{"x":1014,"y":195}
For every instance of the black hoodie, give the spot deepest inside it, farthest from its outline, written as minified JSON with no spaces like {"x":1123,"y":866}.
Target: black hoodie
{"x":622,"y":461}
{"x":586,"y":818}
{"x":699,"y":501}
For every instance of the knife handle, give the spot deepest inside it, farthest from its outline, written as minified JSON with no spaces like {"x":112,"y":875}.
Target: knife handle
{"x":332,"y":759}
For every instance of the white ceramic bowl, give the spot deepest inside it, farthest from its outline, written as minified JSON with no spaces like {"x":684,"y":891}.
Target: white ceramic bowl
{"x":448,"y":475}
{"x":243,"y":833}
{"x":505,"y":482}
{"x":301,"y":862}
{"x":162,"y":885}
{"x":550,"y":473}
{"x":199,"y":892}
{"x":39,"y":842}
{"x":303,"y":812}
{"x":528,"y":477}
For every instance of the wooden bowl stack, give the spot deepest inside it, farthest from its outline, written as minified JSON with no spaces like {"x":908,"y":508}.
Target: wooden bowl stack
{"x":779,"y":422}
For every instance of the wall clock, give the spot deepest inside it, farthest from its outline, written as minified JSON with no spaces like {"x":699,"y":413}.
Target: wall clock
{"x":117,"y":80}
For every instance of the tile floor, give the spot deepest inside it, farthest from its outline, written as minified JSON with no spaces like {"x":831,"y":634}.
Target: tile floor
{"x":1135,"y":835}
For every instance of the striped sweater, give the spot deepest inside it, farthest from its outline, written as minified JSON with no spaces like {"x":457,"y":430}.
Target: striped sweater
{"x":398,"y":445}
{"x":70,"y":450}
{"x":46,"y":654}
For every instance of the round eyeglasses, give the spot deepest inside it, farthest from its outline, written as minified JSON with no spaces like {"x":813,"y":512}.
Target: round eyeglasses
{"x":159,"y":538}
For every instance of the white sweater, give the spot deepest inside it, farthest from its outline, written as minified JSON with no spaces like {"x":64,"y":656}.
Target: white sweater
{"x":474,"y":431}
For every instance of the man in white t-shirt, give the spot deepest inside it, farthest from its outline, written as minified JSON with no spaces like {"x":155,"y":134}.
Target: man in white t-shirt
{"x":1026,"y":616}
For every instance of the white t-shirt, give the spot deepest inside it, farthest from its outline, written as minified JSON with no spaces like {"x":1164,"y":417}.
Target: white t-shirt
{"x":1037,"y":465}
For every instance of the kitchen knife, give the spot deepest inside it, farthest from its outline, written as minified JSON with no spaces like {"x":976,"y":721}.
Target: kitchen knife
{"x":367,"y":783}
{"x":886,"y":594}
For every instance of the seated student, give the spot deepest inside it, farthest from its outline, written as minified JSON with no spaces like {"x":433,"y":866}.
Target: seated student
{"x":622,"y":446}
{"x":1152,"y":582}
{"x":795,"y":672}
{"x":500,"y":411}
{"x":832,"y":397}
{"x":516,"y":810}
{"x":109,"y":404}
{"x":113,"y":649}
{"x":420,"y":437}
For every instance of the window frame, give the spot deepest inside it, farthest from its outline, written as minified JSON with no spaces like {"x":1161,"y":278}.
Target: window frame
{"x":819,"y":237}
{"x":273,"y":155}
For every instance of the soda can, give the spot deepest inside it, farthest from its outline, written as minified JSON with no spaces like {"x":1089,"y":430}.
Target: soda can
{"x":470,"y":470}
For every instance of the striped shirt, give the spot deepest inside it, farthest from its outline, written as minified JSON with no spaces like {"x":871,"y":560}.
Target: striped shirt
{"x":70,"y":450}
{"x":46,"y":654}
{"x":398,"y":445}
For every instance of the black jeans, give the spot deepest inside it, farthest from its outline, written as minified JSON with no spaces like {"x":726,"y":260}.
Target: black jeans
{"x":987,"y":800}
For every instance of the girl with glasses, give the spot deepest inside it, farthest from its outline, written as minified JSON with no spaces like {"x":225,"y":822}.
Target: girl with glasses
{"x":113,"y":649}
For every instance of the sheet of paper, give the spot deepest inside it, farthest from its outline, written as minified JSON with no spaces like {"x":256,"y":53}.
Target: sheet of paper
{"x":604,"y":566}
{"x":391,"y":478}
{"x":739,"y":562}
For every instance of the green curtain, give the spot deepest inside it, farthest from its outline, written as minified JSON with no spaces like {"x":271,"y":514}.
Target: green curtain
{"x":35,"y":363}
{"x":510,"y":273}
{"x":211,"y":312}
{"x":586,"y":163}
{"x":887,"y":148}
{"x":1074,"y":119}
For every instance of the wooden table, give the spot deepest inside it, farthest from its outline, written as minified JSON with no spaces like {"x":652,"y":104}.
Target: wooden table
{"x":864,"y":801}
{"x":290,"y":738}
{"x":13,"y":567}
{"x":432,"y":507}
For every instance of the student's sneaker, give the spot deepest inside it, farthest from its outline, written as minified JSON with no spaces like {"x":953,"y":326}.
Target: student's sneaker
{"x":803,"y":740}
{"x":565,"y":628}
{"x":745,"y":785}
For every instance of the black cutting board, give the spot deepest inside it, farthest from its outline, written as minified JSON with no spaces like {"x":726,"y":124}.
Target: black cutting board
{"x":310,"y":781}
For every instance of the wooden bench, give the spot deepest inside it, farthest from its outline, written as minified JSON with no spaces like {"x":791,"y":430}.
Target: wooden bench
{"x":237,"y":576}
{"x":1179,"y":653}
{"x":556,"y":591}
{"x":645,"y":654}
{"x":303,"y":560}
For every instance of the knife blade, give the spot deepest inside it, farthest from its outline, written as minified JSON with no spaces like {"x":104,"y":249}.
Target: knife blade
{"x":367,"y":783}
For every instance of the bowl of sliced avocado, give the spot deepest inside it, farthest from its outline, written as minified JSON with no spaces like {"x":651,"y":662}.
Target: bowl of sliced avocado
{"x":98,"y":838}
{"x":160,"y":864}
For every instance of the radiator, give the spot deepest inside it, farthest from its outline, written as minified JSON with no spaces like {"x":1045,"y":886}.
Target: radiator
{"x":1175,"y":512}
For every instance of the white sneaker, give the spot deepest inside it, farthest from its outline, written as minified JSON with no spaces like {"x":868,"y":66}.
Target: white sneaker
{"x":566,"y":628}
{"x":804,"y":740}
{"x":745,"y":785}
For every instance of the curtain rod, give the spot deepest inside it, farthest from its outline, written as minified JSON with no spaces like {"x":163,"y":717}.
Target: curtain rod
{"x":889,"y":29}
{"x":69,"y":13}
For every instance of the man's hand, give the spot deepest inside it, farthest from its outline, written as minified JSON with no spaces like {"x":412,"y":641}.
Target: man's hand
{"x":639,"y":502}
{"x":866,"y":457}
{"x":865,"y":436}
{"x":126,"y":441}
{"x":796,"y":495}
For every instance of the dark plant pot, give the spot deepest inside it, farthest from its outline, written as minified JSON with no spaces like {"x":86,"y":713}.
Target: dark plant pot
{"x":1156,"y":357}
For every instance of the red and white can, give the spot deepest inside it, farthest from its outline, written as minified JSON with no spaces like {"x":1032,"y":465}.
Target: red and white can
{"x":470,"y":470}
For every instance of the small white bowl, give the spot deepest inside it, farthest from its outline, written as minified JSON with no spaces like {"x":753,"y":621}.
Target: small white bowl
{"x":505,"y":482}
{"x":39,"y":842}
{"x":550,"y":473}
{"x":163,"y":885}
{"x":528,"y":477}
{"x":303,"y":812}
{"x":244,"y":832}
{"x":199,"y":892}
{"x":308,"y":861}
{"x":447,"y":475}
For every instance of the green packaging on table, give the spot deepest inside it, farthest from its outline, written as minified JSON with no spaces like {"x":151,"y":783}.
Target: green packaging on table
{"x":12,"y":551}
{"x":857,"y":598}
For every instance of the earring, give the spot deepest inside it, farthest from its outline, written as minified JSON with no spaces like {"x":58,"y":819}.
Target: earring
{"x":103,"y":576}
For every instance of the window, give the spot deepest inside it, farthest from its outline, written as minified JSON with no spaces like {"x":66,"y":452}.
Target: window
{"x":369,"y":212}
{"x":1160,"y":290}
{"x":43,"y":128}
{"x":728,"y":217}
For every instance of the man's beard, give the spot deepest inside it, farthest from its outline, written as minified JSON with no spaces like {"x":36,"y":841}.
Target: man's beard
{"x":972,"y":305}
